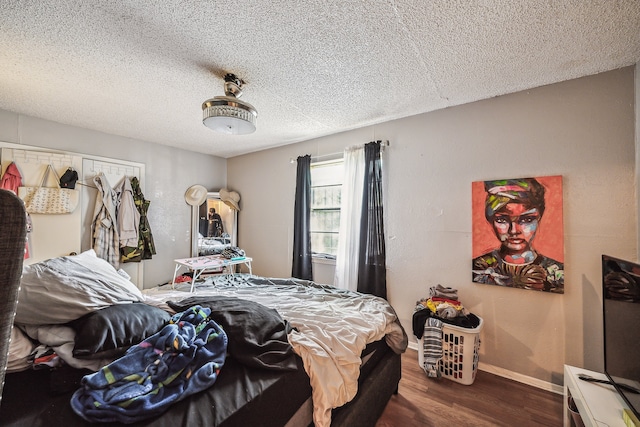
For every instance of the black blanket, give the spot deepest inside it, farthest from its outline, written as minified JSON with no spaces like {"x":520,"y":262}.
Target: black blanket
{"x":469,"y":321}
{"x":257,"y":334}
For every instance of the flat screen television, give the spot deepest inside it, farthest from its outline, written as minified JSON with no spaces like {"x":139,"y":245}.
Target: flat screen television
{"x":621,"y":306}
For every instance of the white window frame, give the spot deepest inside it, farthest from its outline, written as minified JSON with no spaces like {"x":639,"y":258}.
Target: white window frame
{"x":321,"y":256}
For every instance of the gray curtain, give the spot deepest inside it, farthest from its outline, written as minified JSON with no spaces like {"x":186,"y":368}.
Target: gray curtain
{"x":13,"y":229}
{"x":372,"y":274}
{"x":301,"y":267}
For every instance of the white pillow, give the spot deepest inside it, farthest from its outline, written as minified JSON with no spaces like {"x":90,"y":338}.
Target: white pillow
{"x":101,"y":267}
{"x":62,"y":340}
{"x":20,"y":348}
{"x":63,"y":289}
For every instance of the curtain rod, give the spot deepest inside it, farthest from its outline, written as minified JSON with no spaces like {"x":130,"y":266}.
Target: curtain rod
{"x":316,"y":158}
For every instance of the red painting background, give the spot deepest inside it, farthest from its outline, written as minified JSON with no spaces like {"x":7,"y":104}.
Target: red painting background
{"x":549,"y":240}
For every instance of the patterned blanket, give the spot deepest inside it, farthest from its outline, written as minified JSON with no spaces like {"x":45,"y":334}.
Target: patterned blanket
{"x":184,"y":358}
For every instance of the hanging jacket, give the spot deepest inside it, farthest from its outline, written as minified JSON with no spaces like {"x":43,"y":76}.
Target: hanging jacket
{"x":11,"y":179}
{"x":127,"y":215}
{"x":146,"y":248}
{"x":106,"y":242}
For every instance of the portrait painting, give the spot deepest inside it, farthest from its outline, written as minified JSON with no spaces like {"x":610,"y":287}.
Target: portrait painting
{"x":518,"y":233}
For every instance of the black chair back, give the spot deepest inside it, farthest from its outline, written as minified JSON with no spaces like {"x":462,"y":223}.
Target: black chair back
{"x":13,"y":232}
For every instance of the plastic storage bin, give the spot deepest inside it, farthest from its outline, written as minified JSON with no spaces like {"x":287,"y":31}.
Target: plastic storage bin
{"x":460,"y":353}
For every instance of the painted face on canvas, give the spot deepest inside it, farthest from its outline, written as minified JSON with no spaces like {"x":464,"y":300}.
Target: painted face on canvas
{"x":515,"y":225}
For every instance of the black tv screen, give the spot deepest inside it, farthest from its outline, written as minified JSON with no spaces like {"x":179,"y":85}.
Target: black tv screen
{"x":621,"y":297}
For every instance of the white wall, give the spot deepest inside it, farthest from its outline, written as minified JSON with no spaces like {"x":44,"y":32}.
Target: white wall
{"x":169,"y":172}
{"x":581,"y":129}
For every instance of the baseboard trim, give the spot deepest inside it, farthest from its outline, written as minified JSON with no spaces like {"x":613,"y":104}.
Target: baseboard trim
{"x":501,"y":372}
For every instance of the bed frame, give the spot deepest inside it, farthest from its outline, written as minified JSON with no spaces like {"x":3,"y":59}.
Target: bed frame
{"x":373,"y":395}
{"x":29,"y":402}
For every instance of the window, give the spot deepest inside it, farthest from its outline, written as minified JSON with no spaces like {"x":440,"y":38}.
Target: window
{"x":326,"y":188}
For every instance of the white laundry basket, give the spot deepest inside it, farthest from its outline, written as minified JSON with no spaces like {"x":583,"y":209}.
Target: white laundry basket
{"x":460,"y":353}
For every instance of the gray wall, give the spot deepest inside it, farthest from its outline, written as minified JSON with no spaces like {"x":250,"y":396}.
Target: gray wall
{"x":169,"y":172}
{"x":637,"y":131}
{"x":581,"y":129}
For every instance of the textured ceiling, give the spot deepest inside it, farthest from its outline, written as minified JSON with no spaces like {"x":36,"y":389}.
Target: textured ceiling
{"x":142,"y":69}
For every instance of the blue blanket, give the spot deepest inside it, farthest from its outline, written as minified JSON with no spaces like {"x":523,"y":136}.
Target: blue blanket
{"x":184,"y":358}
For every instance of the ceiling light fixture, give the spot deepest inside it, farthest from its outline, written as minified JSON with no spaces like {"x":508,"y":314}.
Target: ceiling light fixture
{"x":227,"y":114}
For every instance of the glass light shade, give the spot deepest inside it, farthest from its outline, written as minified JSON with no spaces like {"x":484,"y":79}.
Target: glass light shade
{"x":227,"y":114}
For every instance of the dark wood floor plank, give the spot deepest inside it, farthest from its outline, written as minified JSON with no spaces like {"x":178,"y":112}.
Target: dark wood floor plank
{"x":489,"y":402}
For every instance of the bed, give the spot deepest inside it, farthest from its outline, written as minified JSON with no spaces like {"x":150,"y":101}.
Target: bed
{"x":296,"y":353}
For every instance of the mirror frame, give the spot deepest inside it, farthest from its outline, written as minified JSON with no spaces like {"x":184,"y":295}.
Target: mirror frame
{"x":230,"y":219}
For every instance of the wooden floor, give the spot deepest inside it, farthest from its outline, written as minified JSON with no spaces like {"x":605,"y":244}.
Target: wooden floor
{"x":490,"y":401}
